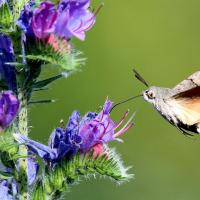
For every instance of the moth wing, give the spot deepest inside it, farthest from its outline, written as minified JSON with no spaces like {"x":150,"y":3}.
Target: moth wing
{"x":186,"y":105}
{"x":187,"y":84}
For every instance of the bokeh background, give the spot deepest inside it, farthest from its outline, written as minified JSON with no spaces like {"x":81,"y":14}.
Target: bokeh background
{"x":161,"y":39}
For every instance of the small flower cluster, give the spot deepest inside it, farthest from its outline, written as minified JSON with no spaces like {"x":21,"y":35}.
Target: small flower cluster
{"x":67,"y":19}
{"x":80,"y":135}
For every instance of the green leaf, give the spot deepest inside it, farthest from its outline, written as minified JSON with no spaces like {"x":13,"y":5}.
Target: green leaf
{"x":41,"y":101}
{"x":7,"y":144}
{"x":40,"y":89}
{"x":8,"y":149}
{"x":4,"y":175}
{"x":46,"y":82}
{"x":6,"y":17}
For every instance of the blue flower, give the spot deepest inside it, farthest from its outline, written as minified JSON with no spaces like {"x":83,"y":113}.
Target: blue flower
{"x":25,"y":20}
{"x":8,"y":189}
{"x":4,"y":190}
{"x":33,"y":168}
{"x":63,"y":143}
{"x":7,"y":71}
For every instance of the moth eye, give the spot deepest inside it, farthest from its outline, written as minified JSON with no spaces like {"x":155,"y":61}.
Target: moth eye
{"x":151,"y":95}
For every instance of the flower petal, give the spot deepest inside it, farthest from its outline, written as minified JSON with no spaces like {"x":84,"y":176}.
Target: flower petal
{"x":33,"y":168}
{"x":9,"y":106}
{"x":44,"y":19}
{"x":39,"y":149}
{"x":73,"y":123}
{"x":5,"y":190}
{"x":74,"y":19}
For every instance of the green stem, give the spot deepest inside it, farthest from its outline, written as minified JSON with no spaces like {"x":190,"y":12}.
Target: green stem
{"x":23,"y":129}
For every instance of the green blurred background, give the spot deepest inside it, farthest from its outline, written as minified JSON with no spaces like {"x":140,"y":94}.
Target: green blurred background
{"x":161,"y":39}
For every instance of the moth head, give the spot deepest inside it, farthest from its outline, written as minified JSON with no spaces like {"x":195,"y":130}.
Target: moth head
{"x":151,"y":94}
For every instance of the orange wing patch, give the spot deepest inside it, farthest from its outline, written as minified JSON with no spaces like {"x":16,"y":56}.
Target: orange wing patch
{"x":187,"y":106}
{"x":192,"y":104}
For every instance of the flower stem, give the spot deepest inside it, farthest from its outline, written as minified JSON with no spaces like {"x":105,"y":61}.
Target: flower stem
{"x":23,"y":129}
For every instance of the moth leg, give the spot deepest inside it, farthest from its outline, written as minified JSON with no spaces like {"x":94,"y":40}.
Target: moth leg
{"x":184,"y":132}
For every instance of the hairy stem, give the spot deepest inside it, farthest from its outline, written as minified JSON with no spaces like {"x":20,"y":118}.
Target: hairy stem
{"x":23,"y":165}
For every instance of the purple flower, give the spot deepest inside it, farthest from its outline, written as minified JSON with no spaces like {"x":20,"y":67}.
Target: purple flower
{"x":9,"y":106}
{"x":44,"y":19}
{"x":7,"y":71}
{"x":96,"y":129}
{"x":71,"y":18}
{"x":74,"y":19}
{"x":74,"y":4}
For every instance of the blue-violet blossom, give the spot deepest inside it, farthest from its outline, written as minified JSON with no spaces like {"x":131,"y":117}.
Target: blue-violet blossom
{"x":84,"y":135}
{"x":8,"y":189}
{"x":25,"y":20}
{"x":74,"y":19}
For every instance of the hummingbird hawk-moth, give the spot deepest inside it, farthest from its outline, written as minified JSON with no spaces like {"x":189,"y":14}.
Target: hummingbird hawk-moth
{"x":179,"y":105}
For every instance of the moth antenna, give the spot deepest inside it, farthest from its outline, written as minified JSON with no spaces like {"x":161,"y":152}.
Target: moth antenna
{"x":96,"y":12}
{"x":140,"y":78}
{"x":122,"y":102}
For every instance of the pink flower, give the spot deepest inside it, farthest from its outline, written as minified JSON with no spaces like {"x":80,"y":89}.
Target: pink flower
{"x":96,"y":129}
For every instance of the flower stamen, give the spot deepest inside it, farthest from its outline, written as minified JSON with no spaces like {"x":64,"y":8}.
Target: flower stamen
{"x":121,"y":120}
{"x":128,"y":125}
